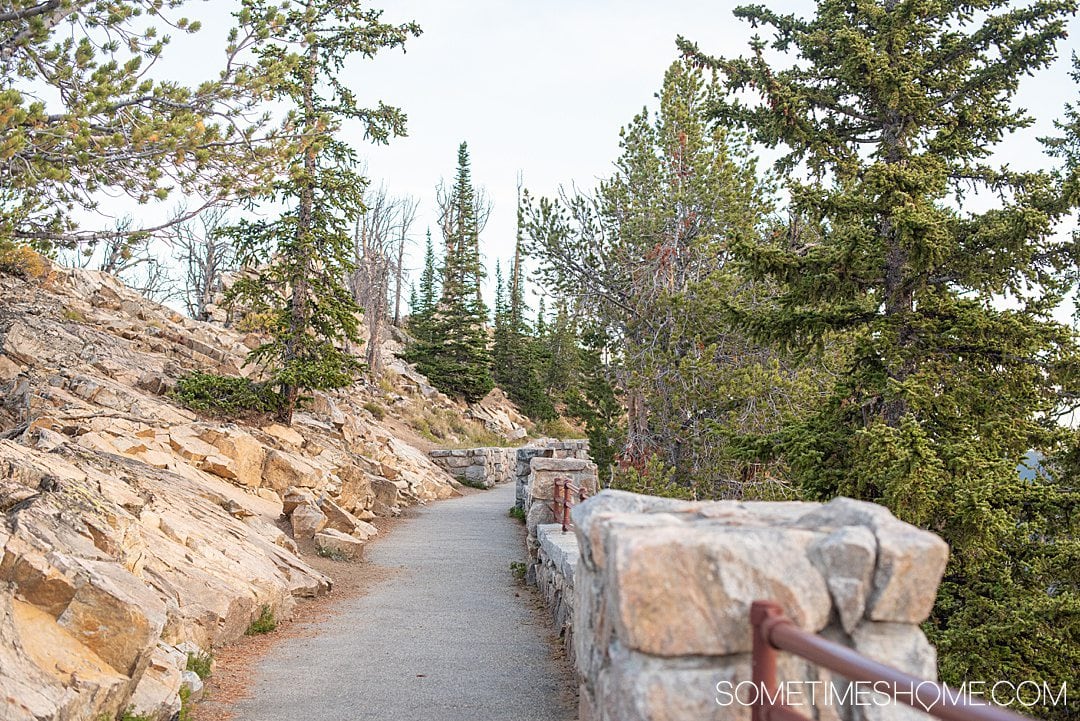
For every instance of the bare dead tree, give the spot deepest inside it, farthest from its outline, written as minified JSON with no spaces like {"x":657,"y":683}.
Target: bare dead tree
{"x":407,"y":206}
{"x":370,"y":281}
{"x":206,"y":255}
{"x":444,"y":194}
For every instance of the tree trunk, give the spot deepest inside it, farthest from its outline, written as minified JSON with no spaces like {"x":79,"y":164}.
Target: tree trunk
{"x":298,"y":301}
{"x":899,"y":297}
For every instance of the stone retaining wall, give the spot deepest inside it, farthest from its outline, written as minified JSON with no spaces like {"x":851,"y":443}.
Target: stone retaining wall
{"x":478,"y":467}
{"x":553,"y":573}
{"x":657,"y":606}
{"x":544,"y":448}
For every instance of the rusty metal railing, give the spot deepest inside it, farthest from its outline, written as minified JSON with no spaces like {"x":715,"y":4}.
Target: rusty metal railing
{"x":564,"y":496}
{"x":774,"y":631}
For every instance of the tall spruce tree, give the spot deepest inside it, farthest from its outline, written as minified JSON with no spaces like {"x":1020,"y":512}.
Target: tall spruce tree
{"x":425,"y":298}
{"x":456,"y":357}
{"x":517,"y":367}
{"x":299,"y":261}
{"x":891,"y":110}
{"x":647,"y":259}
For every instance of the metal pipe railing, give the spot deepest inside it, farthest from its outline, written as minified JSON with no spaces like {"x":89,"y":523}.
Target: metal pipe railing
{"x":774,"y":631}
{"x":563,"y":495}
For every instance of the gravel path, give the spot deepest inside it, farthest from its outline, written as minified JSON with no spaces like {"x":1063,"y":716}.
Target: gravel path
{"x":450,"y":636}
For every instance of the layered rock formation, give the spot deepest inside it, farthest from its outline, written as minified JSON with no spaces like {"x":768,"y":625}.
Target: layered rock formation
{"x":134,"y":532}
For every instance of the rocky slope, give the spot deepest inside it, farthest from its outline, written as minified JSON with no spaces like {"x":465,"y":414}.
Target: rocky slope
{"x":133,"y":532}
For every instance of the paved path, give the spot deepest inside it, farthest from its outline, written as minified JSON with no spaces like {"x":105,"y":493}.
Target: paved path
{"x":444,"y":639}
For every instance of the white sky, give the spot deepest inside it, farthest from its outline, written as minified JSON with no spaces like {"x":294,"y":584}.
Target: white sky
{"x":541,"y":87}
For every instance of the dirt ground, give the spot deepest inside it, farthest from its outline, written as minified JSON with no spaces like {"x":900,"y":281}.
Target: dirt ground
{"x":233,"y":663}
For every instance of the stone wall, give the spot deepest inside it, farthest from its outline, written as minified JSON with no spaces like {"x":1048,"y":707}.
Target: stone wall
{"x":553,"y":572}
{"x":659,"y":599}
{"x":544,"y":448}
{"x":541,"y":494}
{"x":478,"y":467}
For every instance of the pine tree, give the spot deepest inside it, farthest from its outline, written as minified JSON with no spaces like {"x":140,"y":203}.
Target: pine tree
{"x":82,"y":115}
{"x":893,"y":109}
{"x":424,"y":299}
{"x":563,"y":355}
{"x":303,"y":256}
{"x":517,"y":362}
{"x":457,"y":358}
{"x":649,"y":256}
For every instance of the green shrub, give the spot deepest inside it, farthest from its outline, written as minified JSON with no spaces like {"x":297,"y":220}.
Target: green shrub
{"x":200,"y":663}
{"x":265,"y":623}
{"x":375,"y":409}
{"x":185,"y":704}
{"x":332,"y":554}
{"x":557,"y":428}
{"x":225,"y":395}
{"x":22,"y":261}
{"x":130,"y":715}
{"x":518,"y":513}
{"x":518,"y":569}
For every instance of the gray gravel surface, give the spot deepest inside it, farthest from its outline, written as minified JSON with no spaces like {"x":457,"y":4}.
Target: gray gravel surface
{"x":450,"y":636}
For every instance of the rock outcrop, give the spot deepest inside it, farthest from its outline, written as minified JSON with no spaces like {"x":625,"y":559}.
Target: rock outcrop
{"x":133,"y":531}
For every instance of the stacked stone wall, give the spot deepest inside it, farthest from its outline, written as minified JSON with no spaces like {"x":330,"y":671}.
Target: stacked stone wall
{"x":653,"y":596}
{"x":478,"y":467}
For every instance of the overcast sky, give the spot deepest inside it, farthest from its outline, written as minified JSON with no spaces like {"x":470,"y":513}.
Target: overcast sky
{"x":541,"y":88}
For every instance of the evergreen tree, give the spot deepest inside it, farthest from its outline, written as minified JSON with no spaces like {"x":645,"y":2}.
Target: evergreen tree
{"x":456,"y":357}
{"x":892,"y":109}
{"x":562,"y":355}
{"x":424,"y":299}
{"x":517,"y":363}
{"x":303,"y":256}
{"x":649,"y":256}
{"x":83,"y":115}
{"x":594,"y":401}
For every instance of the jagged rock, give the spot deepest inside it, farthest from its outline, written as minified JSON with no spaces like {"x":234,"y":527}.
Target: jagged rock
{"x":288,"y":436}
{"x":157,"y":694}
{"x":332,"y":541}
{"x":282,"y":469}
{"x":187,"y":444}
{"x":194,"y":684}
{"x":132,"y":525}
{"x":244,"y":455}
{"x":294,"y":497}
{"x":364,"y":531}
{"x":386,"y":492}
{"x":337,"y":517}
{"x":307,"y":521}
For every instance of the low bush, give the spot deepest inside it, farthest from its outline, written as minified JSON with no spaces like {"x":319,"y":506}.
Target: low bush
{"x":375,"y":409}
{"x":200,"y":663}
{"x":225,"y":395}
{"x":22,"y":261}
{"x":265,"y":623}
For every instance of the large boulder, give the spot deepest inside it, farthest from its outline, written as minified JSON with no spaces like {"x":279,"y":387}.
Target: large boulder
{"x":335,"y":543}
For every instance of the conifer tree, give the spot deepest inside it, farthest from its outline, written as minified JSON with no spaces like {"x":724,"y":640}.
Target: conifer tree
{"x":648,"y":257}
{"x":83,"y":114}
{"x":893,"y":109}
{"x":517,"y":362}
{"x":424,"y":299}
{"x":456,"y":357}
{"x":303,"y":257}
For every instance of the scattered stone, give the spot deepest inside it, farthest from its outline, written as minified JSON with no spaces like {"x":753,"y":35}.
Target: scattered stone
{"x":334,"y":542}
{"x":307,"y":521}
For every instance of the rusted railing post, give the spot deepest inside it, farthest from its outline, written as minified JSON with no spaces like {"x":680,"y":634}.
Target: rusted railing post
{"x":763,"y":661}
